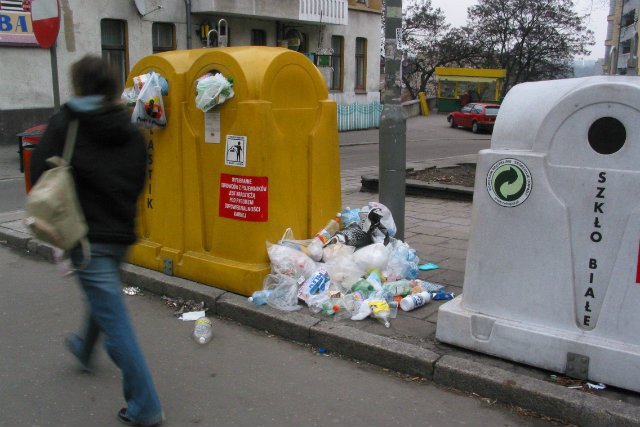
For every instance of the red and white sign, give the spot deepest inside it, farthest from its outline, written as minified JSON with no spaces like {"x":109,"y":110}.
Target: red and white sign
{"x":45,"y":17}
{"x":244,"y":197}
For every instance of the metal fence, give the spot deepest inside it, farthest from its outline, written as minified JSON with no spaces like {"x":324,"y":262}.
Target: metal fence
{"x":359,"y":116}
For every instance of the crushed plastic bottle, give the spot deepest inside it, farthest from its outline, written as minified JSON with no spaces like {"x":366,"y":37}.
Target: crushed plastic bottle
{"x":439,"y":296}
{"x":259,"y":297}
{"x":425,"y":286}
{"x":399,"y":287}
{"x":381,"y":310}
{"x":203,"y":332}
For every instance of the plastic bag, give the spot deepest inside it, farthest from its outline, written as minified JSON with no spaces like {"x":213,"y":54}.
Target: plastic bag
{"x":336,"y":250}
{"x":213,"y":90}
{"x":344,"y":272}
{"x":284,"y":292}
{"x":403,"y":262}
{"x":149,"y":110}
{"x":386,"y":220}
{"x":289,"y":261}
{"x":129,"y":97}
{"x":374,"y":256}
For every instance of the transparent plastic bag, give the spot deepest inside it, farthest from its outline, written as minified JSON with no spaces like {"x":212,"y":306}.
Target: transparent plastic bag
{"x":213,"y":90}
{"x":288,"y":261}
{"x":403,"y":262}
{"x":344,"y":272}
{"x":129,"y":97}
{"x":284,"y":292}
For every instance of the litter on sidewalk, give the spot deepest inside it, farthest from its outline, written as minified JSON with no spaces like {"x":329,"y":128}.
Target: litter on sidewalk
{"x":353,"y":268}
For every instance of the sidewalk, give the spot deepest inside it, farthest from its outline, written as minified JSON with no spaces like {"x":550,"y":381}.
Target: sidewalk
{"x":438,"y":230}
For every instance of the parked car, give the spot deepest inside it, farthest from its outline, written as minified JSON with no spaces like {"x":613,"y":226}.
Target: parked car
{"x":476,"y":116}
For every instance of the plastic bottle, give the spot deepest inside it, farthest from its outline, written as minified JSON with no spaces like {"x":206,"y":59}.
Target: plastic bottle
{"x":423,"y":285}
{"x":203,"y":331}
{"x":259,"y":297}
{"x":414,"y":301}
{"x":348,"y":216}
{"x":324,"y":304}
{"x":362,"y":285}
{"x":399,"y":287}
{"x":381,"y":310}
{"x":321,"y":238}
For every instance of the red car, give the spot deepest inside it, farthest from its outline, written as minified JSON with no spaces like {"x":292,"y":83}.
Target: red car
{"x":477,"y":116}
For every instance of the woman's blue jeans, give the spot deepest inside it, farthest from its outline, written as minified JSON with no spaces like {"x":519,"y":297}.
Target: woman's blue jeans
{"x":100,"y":281}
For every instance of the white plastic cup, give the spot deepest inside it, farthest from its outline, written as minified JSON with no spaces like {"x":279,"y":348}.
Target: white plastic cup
{"x":413,"y":301}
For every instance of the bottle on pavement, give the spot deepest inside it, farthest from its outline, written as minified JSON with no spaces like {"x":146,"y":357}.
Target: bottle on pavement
{"x":259,"y":297}
{"x":203,"y":330}
{"x":413,"y":301}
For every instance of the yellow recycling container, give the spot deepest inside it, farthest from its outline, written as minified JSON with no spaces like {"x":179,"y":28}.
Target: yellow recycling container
{"x":159,"y":209}
{"x":264,"y":160}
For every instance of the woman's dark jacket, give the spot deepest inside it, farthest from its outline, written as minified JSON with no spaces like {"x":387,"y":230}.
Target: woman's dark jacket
{"x":109,"y":166}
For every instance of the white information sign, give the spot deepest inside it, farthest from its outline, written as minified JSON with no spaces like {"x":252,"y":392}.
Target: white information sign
{"x":212,"y":127}
{"x":236,"y":151}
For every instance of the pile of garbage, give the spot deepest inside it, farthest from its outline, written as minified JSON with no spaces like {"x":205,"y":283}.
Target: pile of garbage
{"x":354,"y":268}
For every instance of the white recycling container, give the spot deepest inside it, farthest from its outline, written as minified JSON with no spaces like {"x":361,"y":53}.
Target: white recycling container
{"x":552,"y":275}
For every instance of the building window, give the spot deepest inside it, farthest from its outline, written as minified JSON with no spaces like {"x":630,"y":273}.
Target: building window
{"x":361,"y":64}
{"x":164,"y":37}
{"x":114,"y":45}
{"x":337,"y":44}
{"x":258,"y":38}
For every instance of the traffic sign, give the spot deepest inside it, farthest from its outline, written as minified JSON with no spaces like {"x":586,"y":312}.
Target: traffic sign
{"x":45,"y":17}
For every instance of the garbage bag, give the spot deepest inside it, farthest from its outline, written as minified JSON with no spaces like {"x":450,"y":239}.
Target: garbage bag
{"x":387,"y":222}
{"x":372,"y":257}
{"x":129,"y":97}
{"x":149,"y":111}
{"x":344,"y":272}
{"x":403,"y":262}
{"x":284,"y":292}
{"x":289,"y":261}
{"x":213,"y":90}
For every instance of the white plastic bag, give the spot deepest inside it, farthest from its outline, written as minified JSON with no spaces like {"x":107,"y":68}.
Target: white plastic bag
{"x":212,"y":90}
{"x":149,"y":111}
{"x":371,"y":257}
{"x":387,"y":221}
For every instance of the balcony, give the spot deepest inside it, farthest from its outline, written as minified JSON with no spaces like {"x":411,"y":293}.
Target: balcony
{"x":312,"y":11}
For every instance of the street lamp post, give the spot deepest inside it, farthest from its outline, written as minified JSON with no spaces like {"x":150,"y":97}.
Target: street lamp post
{"x":393,"y":122}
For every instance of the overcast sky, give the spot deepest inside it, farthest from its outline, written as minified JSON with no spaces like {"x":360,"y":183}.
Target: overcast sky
{"x":456,"y":13}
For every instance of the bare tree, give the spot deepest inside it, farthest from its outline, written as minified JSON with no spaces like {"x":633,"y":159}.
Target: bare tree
{"x":532,"y":40}
{"x":431,"y":42}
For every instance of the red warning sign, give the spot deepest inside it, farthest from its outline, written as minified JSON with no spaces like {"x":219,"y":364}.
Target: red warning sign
{"x":244,"y":197}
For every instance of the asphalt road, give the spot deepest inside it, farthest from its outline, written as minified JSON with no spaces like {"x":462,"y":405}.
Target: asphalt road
{"x":426,"y":138}
{"x":243,"y":377}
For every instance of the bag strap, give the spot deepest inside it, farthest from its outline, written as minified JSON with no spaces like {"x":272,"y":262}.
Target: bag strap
{"x":70,"y":142}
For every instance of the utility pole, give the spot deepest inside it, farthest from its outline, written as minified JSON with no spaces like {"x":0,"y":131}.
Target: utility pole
{"x":393,"y":122}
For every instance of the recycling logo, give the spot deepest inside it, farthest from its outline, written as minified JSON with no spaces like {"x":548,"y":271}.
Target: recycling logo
{"x":509,"y":182}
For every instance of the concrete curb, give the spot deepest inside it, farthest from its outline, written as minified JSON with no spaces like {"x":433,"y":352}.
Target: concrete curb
{"x":419,"y":188}
{"x":555,"y":401}
{"x":462,"y":374}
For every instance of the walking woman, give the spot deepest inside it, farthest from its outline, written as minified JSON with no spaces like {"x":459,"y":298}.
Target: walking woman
{"x":109,"y":171}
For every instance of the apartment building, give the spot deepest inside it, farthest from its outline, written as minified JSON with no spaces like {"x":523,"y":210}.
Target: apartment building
{"x":621,"y":46}
{"x":342,"y":37}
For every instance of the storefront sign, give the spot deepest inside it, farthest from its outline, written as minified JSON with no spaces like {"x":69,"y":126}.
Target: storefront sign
{"x":244,"y":197}
{"x":16,"y":28}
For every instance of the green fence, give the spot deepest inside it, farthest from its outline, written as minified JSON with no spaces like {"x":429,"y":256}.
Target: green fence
{"x":359,"y":116}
